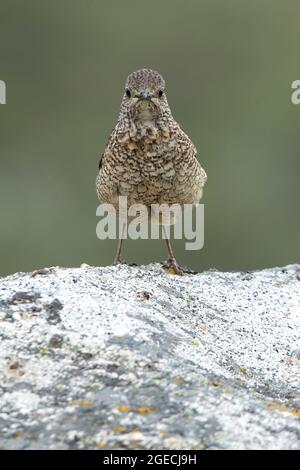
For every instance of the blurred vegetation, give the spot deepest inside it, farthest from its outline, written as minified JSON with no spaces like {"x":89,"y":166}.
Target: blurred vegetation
{"x":229,"y":68}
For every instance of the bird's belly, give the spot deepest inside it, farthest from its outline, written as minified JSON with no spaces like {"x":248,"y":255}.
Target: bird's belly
{"x":160,"y":191}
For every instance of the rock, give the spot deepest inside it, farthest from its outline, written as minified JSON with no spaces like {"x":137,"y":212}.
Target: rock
{"x":133,"y":357}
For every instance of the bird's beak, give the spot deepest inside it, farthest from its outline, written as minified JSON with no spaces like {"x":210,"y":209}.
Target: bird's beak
{"x":145,"y":95}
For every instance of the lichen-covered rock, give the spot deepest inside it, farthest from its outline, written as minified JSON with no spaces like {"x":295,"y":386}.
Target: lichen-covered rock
{"x":133,"y":357}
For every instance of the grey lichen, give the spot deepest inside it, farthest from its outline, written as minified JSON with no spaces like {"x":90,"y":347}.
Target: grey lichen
{"x":132,"y":357}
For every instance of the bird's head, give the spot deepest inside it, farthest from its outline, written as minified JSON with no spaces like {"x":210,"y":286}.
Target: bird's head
{"x":144,"y":97}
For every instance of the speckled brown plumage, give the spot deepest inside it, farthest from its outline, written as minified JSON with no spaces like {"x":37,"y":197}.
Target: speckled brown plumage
{"x":148,"y":157}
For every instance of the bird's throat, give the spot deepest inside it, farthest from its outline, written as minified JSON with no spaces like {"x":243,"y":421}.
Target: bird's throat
{"x":145,"y":111}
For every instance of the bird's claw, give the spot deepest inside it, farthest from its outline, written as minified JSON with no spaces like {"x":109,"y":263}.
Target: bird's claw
{"x":118,"y":261}
{"x":173,"y":268}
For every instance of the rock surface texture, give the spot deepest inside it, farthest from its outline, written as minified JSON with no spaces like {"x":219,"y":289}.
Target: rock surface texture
{"x":135,"y":358}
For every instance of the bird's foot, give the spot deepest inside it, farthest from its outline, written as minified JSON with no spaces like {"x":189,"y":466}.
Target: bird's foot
{"x":173,"y":268}
{"x":119,"y":261}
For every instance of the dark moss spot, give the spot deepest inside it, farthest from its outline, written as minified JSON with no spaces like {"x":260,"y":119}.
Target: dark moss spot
{"x":52,"y":310}
{"x":24,"y":297}
{"x":56,"y":341}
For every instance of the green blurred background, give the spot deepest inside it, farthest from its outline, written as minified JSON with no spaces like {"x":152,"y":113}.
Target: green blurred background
{"x":228,"y":65}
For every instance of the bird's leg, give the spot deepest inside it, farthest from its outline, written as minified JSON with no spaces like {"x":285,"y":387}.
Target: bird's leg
{"x":118,"y":258}
{"x":171,"y":263}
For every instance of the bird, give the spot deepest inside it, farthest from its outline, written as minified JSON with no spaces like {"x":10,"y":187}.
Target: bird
{"x":148,"y":157}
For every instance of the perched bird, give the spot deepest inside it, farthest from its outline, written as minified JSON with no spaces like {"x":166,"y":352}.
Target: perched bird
{"x":148,"y":157}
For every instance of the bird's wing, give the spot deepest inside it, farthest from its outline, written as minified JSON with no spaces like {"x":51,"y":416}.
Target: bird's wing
{"x":106,"y":184}
{"x":100,"y":161}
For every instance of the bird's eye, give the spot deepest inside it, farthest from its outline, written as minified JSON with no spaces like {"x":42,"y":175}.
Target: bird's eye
{"x":128,"y":93}
{"x":160,"y":93}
